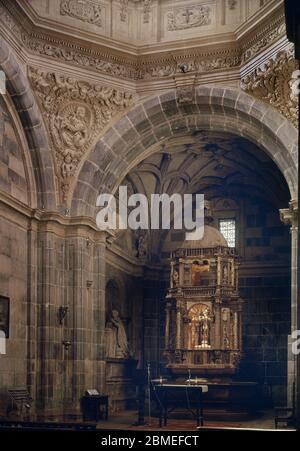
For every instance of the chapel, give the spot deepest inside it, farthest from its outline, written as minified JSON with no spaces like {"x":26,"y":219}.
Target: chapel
{"x":163,"y":97}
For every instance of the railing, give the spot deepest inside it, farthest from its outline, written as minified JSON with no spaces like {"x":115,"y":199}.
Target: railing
{"x":203,"y":357}
{"x":205,"y":252}
{"x":196,"y":291}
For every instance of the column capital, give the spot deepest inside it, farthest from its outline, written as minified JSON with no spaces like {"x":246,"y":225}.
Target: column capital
{"x":289,"y":216}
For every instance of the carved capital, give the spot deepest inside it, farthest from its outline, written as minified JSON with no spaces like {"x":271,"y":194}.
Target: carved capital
{"x":76,"y":112}
{"x":289,"y":216}
{"x":273,"y":83}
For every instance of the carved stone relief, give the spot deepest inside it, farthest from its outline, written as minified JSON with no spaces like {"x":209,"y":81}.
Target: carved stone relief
{"x":273,"y":84}
{"x":185,"y":94}
{"x":135,"y":70}
{"x":197,"y":65}
{"x":188,"y":17}
{"x":123,"y":10}
{"x":232,"y":4}
{"x":127,"y":68}
{"x":76,"y":112}
{"x":271,"y":36}
{"x":86,"y":11}
{"x":146,"y":10}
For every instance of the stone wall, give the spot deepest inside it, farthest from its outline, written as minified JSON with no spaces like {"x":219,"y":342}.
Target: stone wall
{"x":13,"y":284}
{"x":12,"y":172}
{"x":14,"y":256}
{"x":70,"y":352}
{"x":119,"y":373}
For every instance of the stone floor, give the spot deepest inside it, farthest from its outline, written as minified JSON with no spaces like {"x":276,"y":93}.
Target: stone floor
{"x":124,"y":421}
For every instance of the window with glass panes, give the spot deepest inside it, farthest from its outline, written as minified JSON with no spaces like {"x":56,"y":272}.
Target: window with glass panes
{"x":228,"y":229}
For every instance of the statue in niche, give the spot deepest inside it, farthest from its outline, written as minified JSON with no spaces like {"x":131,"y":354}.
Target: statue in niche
{"x":225,"y":275}
{"x":116,"y":338}
{"x":174,"y":276}
{"x":205,"y":318}
{"x":197,"y":270}
{"x":225,"y":318}
{"x":141,"y":244}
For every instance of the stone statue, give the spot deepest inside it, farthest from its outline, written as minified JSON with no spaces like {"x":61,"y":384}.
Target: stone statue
{"x":225,"y":275}
{"x":141,"y":246}
{"x":205,"y":319}
{"x":116,"y":345}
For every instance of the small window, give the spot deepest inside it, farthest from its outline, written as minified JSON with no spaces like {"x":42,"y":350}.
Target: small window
{"x":228,"y":229}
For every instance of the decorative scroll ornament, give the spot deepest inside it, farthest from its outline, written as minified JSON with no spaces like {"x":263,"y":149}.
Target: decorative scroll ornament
{"x":124,"y":10}
{"x":86,"y":11}
{"x":272,"y":35}
{"x":274,"y":84}
{"x":76,"y":112}
{"x":184,"y":18}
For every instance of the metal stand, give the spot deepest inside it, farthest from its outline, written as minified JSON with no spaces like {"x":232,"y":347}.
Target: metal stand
{"x":149,"y":393}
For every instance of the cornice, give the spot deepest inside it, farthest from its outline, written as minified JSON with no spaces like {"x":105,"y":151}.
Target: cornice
{"x":117,"y":258}
{"x":56,"y":222}
{"x":264,"y":35}
{"x":144,"y":63}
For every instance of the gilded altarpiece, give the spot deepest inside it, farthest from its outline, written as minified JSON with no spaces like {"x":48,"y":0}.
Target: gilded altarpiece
{"x":203,"y":328}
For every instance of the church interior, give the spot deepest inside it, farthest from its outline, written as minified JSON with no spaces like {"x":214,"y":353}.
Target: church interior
{"x":161,"y":97}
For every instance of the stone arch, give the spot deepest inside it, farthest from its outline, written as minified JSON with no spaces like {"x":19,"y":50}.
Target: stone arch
{"x":146,"y":126}
{"x":21,"y":94}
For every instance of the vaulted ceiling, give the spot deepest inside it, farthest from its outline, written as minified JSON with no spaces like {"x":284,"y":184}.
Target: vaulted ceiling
{"x":212,"y":164}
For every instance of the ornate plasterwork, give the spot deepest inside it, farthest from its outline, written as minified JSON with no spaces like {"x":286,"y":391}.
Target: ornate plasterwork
{"x":232,"y":4}
{"x":146,"y":10}
{"x":185,"y":94}
{"x":87,"y":11}
{"x":182,"y":18}
{"x":198,"y":65}
{"x":123,"y":10}
{"x":130,"y":67}
{"x":263,"y":38}
{"x":76,"y":112}
{"x":80,"y":58}
{"x":273,"y":84}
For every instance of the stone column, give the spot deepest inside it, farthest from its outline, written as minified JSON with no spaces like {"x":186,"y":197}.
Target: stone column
{"x":71,"y":273}
{"x":290,"y":217}
{"x":235,"y":330}
{"x":217,"y":326}
{"x":232,"y":273}
{"x":219,"y":271}
{"x":178,"y":327}
{"x":98,"y":346}
{"x":181,"y":271}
